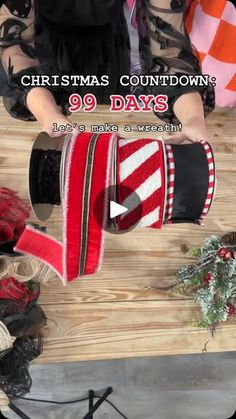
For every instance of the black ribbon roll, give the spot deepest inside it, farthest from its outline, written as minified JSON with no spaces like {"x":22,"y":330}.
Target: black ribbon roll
{"x":45,"y":170}
{"x":191,"y":182}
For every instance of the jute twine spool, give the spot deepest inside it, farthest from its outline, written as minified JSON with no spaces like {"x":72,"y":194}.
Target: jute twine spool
{"x":44,"y":274}
{"x":25,"y":268}
{"x":4,"y":402}
{"x":4,"y":266}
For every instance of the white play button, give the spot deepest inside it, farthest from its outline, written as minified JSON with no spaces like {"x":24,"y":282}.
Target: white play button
{"x":116,"y":209}
{"x":114,"y":217}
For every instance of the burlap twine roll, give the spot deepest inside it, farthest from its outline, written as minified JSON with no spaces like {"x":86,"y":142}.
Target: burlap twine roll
{"x":4,"y":266}
{"x":6,"y":340}
{"x":4,"y":402}
{"x":24,"y":268}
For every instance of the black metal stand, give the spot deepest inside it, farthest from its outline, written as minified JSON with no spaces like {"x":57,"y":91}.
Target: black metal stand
{"x":15,"y":409}
{"x":2,"y":416}
{"x":93,"y":407}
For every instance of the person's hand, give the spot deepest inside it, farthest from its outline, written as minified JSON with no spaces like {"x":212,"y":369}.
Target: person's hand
{"x":188,"y":108}
{"x":51,"y":123}
{"x":192,"y":131}
{"x":43,"y":106}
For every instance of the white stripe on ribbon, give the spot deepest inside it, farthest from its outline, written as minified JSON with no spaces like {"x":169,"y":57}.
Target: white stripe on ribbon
{"x":146,"y":189}
{"x":171,"y":190}
{"x":128,"y":166}
{"x":150,"y":218}
{"x":123,"y":142}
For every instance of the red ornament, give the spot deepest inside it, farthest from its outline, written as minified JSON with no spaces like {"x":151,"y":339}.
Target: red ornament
{"x":208,"y":277}
{"x":224,"y":253}
{"x":230,"y":309}
{"x":234,"y":254}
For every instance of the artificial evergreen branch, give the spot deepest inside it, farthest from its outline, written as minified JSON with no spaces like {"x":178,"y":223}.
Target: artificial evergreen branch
{"x":212,"y":279}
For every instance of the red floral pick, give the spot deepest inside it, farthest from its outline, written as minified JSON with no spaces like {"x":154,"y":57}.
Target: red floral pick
{"x":208,"y":277}
{"x":11,"y":289}
{"x":230,"y":309}
{"x":224,"y":253}
{"x":6,"y":232}
{"x":13,"y":213}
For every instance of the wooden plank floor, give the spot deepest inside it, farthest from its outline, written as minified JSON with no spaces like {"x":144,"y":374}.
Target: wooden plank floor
{"x":119,"y":312}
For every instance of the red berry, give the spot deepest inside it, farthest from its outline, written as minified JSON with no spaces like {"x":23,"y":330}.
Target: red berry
{"x":208,"y":277}
{"x":224,"y":253}
{"x":230,"y":309}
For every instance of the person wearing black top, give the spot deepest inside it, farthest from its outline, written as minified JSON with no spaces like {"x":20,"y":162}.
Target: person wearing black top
{"x":90,"y":37}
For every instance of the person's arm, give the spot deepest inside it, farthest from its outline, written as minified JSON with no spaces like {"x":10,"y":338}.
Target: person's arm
{"x":39,"y":101}
{"x":189,"y":110}
{"x":43,"y":106}
{"x":169,"y":51}
{"x":20,"y":102}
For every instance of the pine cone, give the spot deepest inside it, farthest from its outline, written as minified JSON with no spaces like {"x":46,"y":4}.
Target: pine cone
{"x":229,"y":238}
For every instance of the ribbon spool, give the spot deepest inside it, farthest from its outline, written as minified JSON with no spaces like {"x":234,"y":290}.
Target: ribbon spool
{"x":191,"y":182}
{"x":6,"y":341}
{"x":4,"y":402}
{"x":46,"y":173}
{"x":175,"y":184}
{"x":4,"y":266}
{"x":190,"y":178}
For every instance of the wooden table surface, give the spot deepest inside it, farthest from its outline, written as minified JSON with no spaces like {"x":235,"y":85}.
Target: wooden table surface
{"x":120,"y":312}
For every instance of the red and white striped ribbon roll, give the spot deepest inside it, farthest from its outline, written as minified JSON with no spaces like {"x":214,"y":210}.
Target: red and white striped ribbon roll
{"x":212,"y":179}
{"x":170,"y":183}
{"x":141,"y":170}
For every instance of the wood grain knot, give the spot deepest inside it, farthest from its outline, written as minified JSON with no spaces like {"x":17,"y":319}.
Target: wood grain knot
{"x":184,"y":248}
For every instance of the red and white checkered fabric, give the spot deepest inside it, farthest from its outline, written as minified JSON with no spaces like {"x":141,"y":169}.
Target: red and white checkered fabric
{"x":212,"y":29}
{"x":211,"y":25}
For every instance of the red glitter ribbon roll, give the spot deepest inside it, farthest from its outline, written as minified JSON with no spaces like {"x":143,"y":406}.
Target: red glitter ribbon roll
{"x":87,"y":173}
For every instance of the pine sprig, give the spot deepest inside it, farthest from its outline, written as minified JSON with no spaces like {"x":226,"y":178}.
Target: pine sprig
{"x":212,"y":280}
